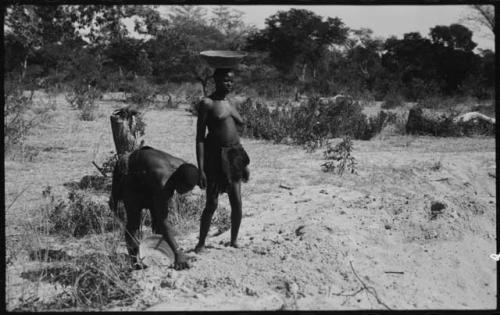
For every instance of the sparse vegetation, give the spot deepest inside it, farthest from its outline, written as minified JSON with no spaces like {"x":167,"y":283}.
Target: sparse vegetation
{"x":392,"y":100}
{"x":77,"y":216}
{"x":140,"y":93}
{"x":339,"y":158}
{"x":84,"y":98}
{"x":186,"y":212}
{"x":311,"y":124}
{"x":22,"y":113}
{"x":66,"y":252}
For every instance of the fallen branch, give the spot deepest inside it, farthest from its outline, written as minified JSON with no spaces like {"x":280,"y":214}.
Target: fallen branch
{"x":19,"y":195}
{"x":350,"y":294}
{"x":441,"y":179}
{"x":100,"y":169}
{"x":370,"y":289}
{"x":303,"y":200}
{"x":285,"y":187}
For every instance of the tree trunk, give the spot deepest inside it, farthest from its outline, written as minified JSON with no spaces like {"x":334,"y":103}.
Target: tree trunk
{"x":25,"y":67}
{"x":303,"y":76}
{"x":124,"y":128}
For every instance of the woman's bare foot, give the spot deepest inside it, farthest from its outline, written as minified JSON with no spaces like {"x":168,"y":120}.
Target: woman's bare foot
{"x":199,"y":248}
{"x":232,"y":244}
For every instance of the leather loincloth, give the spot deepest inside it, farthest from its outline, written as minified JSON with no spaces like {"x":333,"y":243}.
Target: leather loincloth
{"x":225,"y":164}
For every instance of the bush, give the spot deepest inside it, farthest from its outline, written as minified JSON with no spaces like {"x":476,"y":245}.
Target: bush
{"x":426,"y":122}
{"x":378,"y":122}
{"x":79,"y":216}
{"x":91,"y":281}
{"x":310,"y":123}
{"x":339,"y":157}
{"x":21,"y":113}
{"x":392,"y":100}
{"x":84,"y":98}
{"x":140,"y":92}
{"x":186,"y":212}
{"x":109,"y":164}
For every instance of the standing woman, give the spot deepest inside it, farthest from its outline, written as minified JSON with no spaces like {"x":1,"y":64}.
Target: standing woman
{"x":222,"y":161}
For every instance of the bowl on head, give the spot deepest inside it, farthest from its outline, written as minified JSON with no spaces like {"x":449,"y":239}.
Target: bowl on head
{"x":224,"y":59}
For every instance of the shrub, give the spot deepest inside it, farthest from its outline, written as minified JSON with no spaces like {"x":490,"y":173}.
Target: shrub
{"x":84,"y":98}
{"x":22,"y":113}
{"x":90,"y":281}
{"x":392,"y":100}
{"x":79,"y":216}
{"x":426,"y":122}
{"x":96,"y":183}
{"x":186,"y":212}
{"x":109,"y":164}
{"x":140,"y":92}
{"x":222,"y":220}
{"x":377,"y":123}
{"x":310,"y":123}
{"x":477,"y":128}
{"x":339,"y":157}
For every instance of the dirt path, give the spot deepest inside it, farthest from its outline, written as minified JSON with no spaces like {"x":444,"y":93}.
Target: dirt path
{"x":364,"y":241}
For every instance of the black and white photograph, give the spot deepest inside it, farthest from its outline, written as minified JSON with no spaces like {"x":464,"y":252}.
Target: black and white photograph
{"x":249,"y":157}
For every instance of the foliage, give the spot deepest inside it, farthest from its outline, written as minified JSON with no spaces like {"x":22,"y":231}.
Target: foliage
{"x":298,"y":39}
{"x":90,"y":281}
{"x":483,"y":16}
{"x":185,"y":214}
{"x":140,"y":93}
{"x":109,"y":164}
{"x":84,"y":98}
{"x":339,"y":157}
{"x":392,"y":100}
{"x":311,"y":123}
{"x":21,"y":113}
{"x":297,"y":52}
{"x":80,"y":215}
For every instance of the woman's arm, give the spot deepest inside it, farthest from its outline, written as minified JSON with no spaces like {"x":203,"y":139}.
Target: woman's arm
{"x":201,"y":126}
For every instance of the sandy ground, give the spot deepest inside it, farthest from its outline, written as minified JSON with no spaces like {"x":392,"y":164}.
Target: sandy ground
{"x":360,"y":241}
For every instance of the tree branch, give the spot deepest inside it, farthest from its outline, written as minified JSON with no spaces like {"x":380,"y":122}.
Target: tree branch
{"x":370,"y":290}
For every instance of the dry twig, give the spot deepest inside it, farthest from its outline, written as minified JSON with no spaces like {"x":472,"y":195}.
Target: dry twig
{"x":370,"y":289}
{"x":100,"y":169}
{"x":303,"y":200}
{"x":18,"y":195}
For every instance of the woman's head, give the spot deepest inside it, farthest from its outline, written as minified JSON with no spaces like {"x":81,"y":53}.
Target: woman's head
{"x":185,"y":178}
{"x":224,"y":79}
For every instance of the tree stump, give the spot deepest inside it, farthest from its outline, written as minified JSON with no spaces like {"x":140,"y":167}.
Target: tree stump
{"x":126,"y":126}
{"x":125,"y":130}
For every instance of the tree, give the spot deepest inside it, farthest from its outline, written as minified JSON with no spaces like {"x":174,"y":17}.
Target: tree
{"x":364,"y":56}
{"x":148,"y":20}
{"x":297,"y":39}
{"x":231,"y":25}
{"x":57,"y":34}
{"x":455,"y":36}
{"x":23,"y":30}
{"x":226,"y":20}
{"x":187,"y":14}
{"x":483,"y":15}
{"x":190,"y":34}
